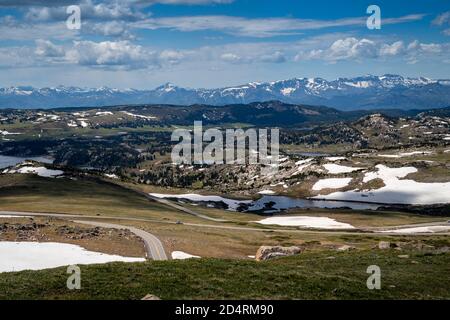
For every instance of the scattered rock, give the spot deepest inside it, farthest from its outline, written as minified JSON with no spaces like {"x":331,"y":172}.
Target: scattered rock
{"x":78,"y":233}
{"x":423,"y":247}
{"x":150,"y":297}
{"x":442,"y":250}
{"x":270,"y":252}
{"x":383,"y":245}
{"x":345,"y":248}
{"x":403,"y":256}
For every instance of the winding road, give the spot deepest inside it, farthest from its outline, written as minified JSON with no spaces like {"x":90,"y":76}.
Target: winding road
{"x":363,"y":231}
{"x":153,"y":245}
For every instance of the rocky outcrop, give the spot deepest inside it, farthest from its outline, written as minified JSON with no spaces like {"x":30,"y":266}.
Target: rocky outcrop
{"x":270,"y":252}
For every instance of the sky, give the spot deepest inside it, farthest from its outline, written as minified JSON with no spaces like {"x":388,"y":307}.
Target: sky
{"x":216,"y":43}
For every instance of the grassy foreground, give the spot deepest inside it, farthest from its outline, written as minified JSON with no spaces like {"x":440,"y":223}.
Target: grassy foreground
{"x":326,"y":275}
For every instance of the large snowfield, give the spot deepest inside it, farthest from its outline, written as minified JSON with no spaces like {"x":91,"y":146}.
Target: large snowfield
{"x":18,"y":256}
{"x":307,"y":222}
{"x":396,"y":189}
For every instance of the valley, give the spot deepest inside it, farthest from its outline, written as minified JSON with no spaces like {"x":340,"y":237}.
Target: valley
{"x":347,"y":182}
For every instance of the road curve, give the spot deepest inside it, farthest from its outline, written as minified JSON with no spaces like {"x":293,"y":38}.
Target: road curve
{"x":153,"y":245}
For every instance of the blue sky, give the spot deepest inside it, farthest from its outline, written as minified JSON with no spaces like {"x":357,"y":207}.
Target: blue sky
{"x":214,"y":43}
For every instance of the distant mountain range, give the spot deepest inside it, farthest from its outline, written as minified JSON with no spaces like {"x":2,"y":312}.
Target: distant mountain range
{"x":366,"y":92}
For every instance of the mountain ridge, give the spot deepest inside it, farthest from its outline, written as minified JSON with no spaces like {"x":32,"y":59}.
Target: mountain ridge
{"x":363,"y":92}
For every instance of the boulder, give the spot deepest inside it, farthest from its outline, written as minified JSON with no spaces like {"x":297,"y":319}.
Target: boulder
{"x":345,"y":248}
{"x":270,"y":252}
{"x":150,"y":297}
{"x":384,"y":245}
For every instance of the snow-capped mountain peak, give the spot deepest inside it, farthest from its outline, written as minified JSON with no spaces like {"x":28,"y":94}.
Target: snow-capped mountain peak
{"x":368,"y":92}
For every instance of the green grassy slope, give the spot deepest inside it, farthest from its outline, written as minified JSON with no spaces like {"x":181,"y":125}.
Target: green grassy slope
{"x":308,"y":276}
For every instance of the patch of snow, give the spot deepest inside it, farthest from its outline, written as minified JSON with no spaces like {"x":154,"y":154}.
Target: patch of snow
{"x":287,"y":91}
{"x":266,"y":192}
{"x":17,"y":256}
{"x":430,"y":229}
{"x":405,"y":154}
{"x":336,"y":169}
{"x":180,"y":255}
{"x":40,"y":171}
{"x":6,"y":133}
{"x":111,"y":176}
{"x":333,"y":183}
{"x":84,"y":124}
{"x":306,"y":221}
{"x":138,"y":115}
{"x":396,"y":190}
{"x":335,"y":158}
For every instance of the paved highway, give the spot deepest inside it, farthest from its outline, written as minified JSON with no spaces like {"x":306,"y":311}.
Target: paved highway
{"x":153,"y":245}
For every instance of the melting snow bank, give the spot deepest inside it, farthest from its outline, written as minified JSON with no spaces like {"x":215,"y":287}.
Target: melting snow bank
{"x":430,"y":229}
{"x":406,"y":154}
{"x":40,"y":171}
{"x":331,"y":183}
{"x":336,"y":168}
{"x":266,"y":192}
{"x":335,"y":158}
{"x":17,"y":256}
{"x":138,"y":115}
{"x":308,"y":222}
{"x":396,"y":191}
{"x":180,"y":255}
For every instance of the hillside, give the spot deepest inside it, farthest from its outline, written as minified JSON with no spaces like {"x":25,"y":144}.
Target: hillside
{"x":328,"y":275}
